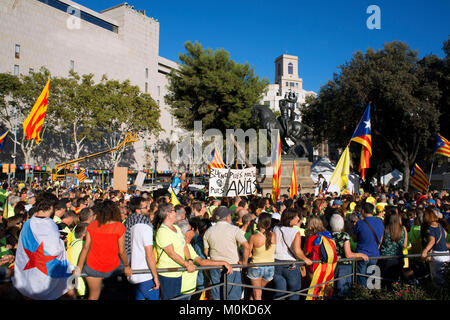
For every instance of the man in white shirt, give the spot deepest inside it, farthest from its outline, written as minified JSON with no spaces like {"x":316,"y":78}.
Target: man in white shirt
{"x":146,"y":285}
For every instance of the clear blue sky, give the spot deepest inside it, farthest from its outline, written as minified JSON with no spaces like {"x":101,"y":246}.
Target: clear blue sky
{"x":323,"y":34}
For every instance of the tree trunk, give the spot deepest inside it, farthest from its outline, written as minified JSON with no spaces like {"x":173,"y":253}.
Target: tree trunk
{"x":406,"y":173}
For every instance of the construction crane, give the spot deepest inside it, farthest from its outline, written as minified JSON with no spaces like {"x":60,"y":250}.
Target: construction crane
{"x":129,"y":138}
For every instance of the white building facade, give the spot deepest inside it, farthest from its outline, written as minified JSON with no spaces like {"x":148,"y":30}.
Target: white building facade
{"x":61,"y":35}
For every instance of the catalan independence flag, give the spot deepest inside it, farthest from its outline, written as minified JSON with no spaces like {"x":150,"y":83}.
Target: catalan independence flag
{"x":363,"y":136}
{"x":442,"y":146}
{"x":276,"y":164}
{"x":323,"y":248}
{"x":419,"y":179}
{"x":32,"y":125}
{"x":293,"y":191}
{"x":173,"y":198}
{"x":3,"y":139}
{"x":82,"y":176}
{"x":216,"y":160}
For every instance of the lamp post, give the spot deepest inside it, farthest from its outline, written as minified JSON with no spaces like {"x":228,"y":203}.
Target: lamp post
{"x":155,"y":157}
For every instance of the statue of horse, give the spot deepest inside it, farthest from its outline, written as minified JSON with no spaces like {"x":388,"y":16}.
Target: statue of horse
{"x":268,"y":121}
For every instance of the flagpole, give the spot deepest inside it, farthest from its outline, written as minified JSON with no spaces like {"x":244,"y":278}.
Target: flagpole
{"x":431,"y":170}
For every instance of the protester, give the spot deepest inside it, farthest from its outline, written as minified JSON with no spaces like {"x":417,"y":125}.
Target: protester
{"x":105,"y":243}
{"x":288,"y":249}
{"x":221,"y":243}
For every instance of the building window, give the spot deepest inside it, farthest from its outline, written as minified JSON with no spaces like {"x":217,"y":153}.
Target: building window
{"x":16,"y":70}
{"x":72,"y":65}
{"x":157,"y":102}
{"x":292,"y":84}
{"x":296,"y":84}
{"x":290,"y":68}
{"x":146,"y":87}
{"x":146,"y":73}
{"x":287,"y":84}
{"x":17,"y":51}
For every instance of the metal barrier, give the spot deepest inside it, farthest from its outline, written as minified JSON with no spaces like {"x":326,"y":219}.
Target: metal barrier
{"x":301,"y":292}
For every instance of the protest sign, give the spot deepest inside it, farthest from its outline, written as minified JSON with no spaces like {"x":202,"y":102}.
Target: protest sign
{"x":232,"y":182}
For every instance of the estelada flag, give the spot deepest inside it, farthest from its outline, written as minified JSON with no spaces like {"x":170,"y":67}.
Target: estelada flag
{"x":322,"y":247}
{"x":293,"y":191}
{"x":41,"y":268}
{"x":442,"y":146}
{"x":363,"y":136}
{"x":276,"y":164}
{"x":82,"y":176}
{"x":3,"y":139}
{"x":32,"y":125}
{"x":216,"y":160}
{"x":419,"y":179}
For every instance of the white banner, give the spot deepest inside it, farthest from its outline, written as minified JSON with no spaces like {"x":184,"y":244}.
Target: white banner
{"x":231,"y":183}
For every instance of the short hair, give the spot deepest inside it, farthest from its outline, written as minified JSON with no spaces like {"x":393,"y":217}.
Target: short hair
{"x":336,"y":222}
{"x":45,"y":201}
{"x":246,"y":218}
{"x":242,"y":203}
{"x":197,"y":206}
{"x":287,"y":216}
{"x":184,"y":226}
{"x":135,"y":203}
{"x":60,"y":205}
{"x":315,"y":224}
{"x":368,"y":207}
{"x":85,"y":214}
{"x":80,"y":201}
{"x":80,"y":229}
{"x":69,"y":214}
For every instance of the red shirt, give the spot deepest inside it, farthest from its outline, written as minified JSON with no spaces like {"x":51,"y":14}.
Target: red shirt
{"x":103,"y":255}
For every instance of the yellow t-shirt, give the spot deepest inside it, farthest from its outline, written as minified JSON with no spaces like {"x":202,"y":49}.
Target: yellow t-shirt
{"x":164,"y":238}
{"x":189,"y":279}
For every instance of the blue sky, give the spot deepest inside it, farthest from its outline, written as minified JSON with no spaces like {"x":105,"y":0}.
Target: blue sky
{"x":323,"y":34}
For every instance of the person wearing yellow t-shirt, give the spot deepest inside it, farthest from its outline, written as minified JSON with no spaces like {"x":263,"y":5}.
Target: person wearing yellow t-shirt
{"x":172,"y":252}
{"x":73,"y":254}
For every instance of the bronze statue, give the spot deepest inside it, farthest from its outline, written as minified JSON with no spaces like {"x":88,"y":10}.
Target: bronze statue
{"x":297,"y":132}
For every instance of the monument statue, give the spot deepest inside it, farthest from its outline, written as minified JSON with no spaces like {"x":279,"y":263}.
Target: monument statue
{"x":298,"y":133}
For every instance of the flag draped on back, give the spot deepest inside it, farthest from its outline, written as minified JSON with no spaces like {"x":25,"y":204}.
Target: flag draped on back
{"x":419,"y":179}
{"x":32,"y":125}
{"x":363,"y":136}
{"x":324,"y":271}
{"x":342,"y":170}
{"x":442,"y":146}
{"x":41,"y":267}
{"x":293,"y":191}
{"x":216,"y":160}
{"x":3,"y":139}
{"x":276,"y":164}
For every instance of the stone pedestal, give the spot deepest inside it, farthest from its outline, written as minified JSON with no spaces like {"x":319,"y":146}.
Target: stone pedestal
{"x":303,"y":170}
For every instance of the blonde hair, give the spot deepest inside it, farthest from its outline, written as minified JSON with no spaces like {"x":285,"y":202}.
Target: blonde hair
{"x":315,"y":224}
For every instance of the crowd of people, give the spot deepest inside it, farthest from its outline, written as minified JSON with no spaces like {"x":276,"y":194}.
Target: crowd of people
{"x":252,"y":240}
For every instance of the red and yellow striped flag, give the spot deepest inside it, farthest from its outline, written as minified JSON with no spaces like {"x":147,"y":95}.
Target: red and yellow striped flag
{"x":324,"y":271}
{"x":419,"y":179}
{"x":32,"y":125}
{"x":81,"y":176}
{"x":293,"y":191}
{"x":276,"y":164}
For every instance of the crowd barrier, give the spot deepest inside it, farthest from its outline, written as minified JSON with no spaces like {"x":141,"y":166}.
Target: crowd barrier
{"x":225,"y":284}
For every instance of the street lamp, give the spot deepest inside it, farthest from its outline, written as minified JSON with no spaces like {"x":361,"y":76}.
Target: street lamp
{"x":155,"y":157}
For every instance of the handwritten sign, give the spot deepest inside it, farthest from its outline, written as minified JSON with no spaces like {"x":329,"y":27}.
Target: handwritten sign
{"x":231,"y":183}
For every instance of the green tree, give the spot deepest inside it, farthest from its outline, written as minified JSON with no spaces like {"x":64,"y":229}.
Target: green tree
{"x":124,"y":108}
{"x":405,"y":112}
{"x":212,"y":88}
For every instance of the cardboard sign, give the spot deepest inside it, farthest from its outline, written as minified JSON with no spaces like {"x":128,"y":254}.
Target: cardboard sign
{"x":232,"y":182}
{"x":139,"y":182}
{"x":120,"y":177}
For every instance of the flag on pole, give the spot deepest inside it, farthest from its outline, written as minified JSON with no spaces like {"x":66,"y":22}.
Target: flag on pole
{"x":342,"y":170}
{"x":41,"y":269}
{"x":82,"y":176}
{"x":419,"y":179}
{"x":293,"y":191}
{"x":216,"y":160}
{"x":3,"y":139}
{"x":363,"y":136}
{"x":32,"y":125}
{"x":442,"y":146}
{"x":276,"y":164}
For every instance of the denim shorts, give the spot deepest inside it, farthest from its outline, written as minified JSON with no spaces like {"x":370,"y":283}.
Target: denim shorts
{"x":97,"y":274}
{"x":265,"y":272}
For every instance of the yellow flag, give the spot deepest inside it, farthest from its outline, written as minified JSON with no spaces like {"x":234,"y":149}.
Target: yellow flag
{"x":340,"y":174}
{"x":173,"y":198}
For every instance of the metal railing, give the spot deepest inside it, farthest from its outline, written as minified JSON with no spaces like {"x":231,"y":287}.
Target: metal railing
{"x":226,"y":284}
